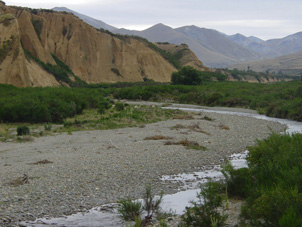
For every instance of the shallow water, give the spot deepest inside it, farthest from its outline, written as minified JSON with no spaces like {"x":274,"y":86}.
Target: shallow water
{"x":176,"y":202}
{"x":292,"y":126}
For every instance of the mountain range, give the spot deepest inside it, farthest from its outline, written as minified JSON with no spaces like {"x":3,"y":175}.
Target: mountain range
{"x":215,"y":49}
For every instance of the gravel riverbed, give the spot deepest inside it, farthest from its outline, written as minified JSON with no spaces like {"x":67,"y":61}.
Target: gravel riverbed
{"x":91,"y":168}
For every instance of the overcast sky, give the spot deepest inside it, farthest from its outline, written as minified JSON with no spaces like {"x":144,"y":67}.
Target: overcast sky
{"x":265,"y":19}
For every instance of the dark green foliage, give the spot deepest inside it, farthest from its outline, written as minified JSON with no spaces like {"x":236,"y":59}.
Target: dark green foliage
{"x":205,"y":212}
{"x":240,"y":74}
{"x":273,"y":183}
{"x":6,"y":48}
{"x":119,"y":106}
{"x":189,"y":76}
{"x":61,"y":71}
{"x":47,"y":127}
{"x":151,"y":204}
{"x":22,"y":130}
{"x":38,"y":25}
{"x":45,"y":104}
{"x":238,"y":181}
{"x":103,"y":105}
{"x":116,"y":71}
{"x":281,"y":99}
{"x":64,"y":30}
{"x":130,"y":210}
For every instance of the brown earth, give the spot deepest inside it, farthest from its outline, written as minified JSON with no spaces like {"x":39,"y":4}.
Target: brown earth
{"x":92,"y":55}
{"x":183,"y":54}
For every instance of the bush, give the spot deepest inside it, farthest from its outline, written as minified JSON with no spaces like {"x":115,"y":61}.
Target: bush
{"x":238,"y":181}
{"x":47,"y":127}
{"x":205,"y":212}
{"x":130,"y":210}
{"x":188,"y":76}
{"x":40,"y":105}
{"x":22,"y":130}
{"x":273,"y":183}
{"x":151,"y":204}
{"x":119,"y":106}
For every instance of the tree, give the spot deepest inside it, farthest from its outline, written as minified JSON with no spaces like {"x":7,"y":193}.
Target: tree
{"x":188,"y":76}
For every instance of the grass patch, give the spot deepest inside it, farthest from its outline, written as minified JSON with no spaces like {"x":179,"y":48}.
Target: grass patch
{"x":188,"y":144}
{"x":196,"y":128}
{"x":224,"y":127}
{"x":45,"y":161}
{"x":158,"y":137}
{"x":184,"y":117}
{"x":193,"y":127}
{"x":24,"y":139}
{"x":129,"y":116}
{"x":207,"y":118}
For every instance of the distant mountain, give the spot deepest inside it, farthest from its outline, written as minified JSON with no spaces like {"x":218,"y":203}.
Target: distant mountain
{"x":89,"y":20}
{"x":210,"y":46}
{"x":287,"y":64}
{"x":288,"y":45}
{"x":217,"y":42}
{"x":270,"y":48}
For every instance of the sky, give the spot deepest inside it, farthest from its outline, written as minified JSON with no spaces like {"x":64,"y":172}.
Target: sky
{"x":265,"y":19}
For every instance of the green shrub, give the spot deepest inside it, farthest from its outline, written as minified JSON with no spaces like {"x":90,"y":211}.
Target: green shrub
{"x":238,"y":181}
{"x":272,"y":185}
{"x":38,"y":25}
{"x":47,"y":127}
{"x":188,"y":76}
{"x":22,"y":130}
{"x":39,"y":105}
{"x":205,"y":212}
{"x":130,"y":210}
{"x":151,"y":204}
{"x":119,"y":106}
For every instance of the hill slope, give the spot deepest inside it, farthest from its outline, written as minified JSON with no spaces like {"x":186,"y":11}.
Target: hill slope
{"x":288,"y":64}
{"x":183,"y":55}
{"x":271,"y":48}
{"x":89,"y":20}
{"x":92,"y":55}
{"x":210,"y":55}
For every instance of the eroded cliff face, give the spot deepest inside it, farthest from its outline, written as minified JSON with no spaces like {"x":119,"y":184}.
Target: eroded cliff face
{"x":183,"y":55}
{"x":15,"y":68}
{"x":92,"y":55}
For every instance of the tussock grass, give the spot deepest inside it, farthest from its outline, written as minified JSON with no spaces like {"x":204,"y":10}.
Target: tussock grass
{"x":224,"y":127}
{"x":188,"y":144}
{"x":158,"y":137}
{"x":130,"y":116}
{"x":207,"y":118}
{"x":45,"y":161}
{"x":193,"y":127}
{"x":178,"y":126}
{"x":196,"y":128}
{"x":183,"y":117}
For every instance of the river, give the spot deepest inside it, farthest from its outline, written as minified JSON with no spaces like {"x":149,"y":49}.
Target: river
{"x":107,"y":215}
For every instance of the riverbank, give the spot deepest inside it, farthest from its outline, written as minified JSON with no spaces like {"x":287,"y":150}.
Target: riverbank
{"x":91,"y":168}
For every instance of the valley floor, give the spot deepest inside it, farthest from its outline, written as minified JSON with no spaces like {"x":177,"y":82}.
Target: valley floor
{"x":91,"y":168}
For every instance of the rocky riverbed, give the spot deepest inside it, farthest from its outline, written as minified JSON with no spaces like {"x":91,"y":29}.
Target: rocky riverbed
{"x":71,"y":173}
